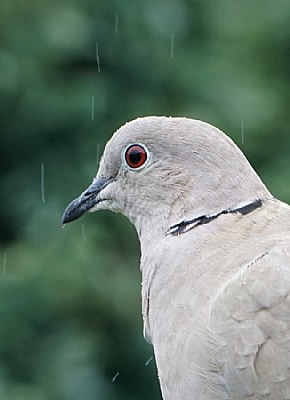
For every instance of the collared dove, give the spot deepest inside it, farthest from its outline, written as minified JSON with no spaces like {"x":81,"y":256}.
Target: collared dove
{"x":215,"y":257}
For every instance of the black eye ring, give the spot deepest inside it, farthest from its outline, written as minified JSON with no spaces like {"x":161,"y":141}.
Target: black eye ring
{"x":136,"y":155}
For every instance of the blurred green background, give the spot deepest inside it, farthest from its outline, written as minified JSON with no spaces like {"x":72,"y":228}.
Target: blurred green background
{"x":71,"y":72}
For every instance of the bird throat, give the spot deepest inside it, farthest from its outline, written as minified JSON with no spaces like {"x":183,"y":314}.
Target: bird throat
{"x":188,"y":224}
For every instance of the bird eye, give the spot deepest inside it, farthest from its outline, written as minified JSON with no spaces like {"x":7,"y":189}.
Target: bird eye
{"x":135,"y":156}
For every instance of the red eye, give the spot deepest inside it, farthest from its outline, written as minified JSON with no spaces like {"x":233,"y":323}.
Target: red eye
{"x":135,"y":156}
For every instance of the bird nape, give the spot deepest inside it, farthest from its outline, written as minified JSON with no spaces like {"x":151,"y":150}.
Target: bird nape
{"x":215,"y":257}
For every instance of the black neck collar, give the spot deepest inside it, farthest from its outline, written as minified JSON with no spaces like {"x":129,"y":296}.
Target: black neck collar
{"x":187,"y":225}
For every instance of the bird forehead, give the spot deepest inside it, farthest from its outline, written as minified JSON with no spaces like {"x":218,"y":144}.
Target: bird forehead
{"x":166,"y":131}
{"x":156,"y":133}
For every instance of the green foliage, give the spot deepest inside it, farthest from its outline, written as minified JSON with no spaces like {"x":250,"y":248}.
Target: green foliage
{"x":72,"y":72}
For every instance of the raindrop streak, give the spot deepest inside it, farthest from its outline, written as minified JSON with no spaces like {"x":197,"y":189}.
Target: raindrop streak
{"x":42,"y":183}
{"x":93,"y":108}
{"x":98,"y":57}
{"x":242,"y":128}
{"x":148,"y":361}
{"x":83,"y":232}
{"x":4,"y":263}
{"x":172,"y":46}
{"x":117,"y":23}
{"x":115,"y":376}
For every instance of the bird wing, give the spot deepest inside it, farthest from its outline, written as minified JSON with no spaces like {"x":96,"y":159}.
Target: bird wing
{"x":250,"y":320}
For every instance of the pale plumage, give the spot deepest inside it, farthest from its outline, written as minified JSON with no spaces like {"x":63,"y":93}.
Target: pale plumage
{"x":215,"y":257}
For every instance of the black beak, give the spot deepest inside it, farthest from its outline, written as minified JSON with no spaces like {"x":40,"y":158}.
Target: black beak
{"x":87,"y":200}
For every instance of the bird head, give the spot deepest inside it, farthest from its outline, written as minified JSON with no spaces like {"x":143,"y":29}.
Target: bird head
{"x":159,"y":170}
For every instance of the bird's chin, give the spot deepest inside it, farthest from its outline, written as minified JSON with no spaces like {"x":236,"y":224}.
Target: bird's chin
{"x":107,"y":204}
{"x":101,"y":204}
